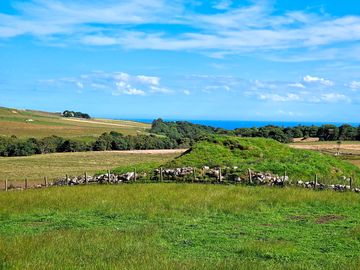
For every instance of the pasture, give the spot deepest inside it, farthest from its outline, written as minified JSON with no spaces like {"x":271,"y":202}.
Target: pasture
{"x":26,"y":123}
{"x":36,"y":167}
{"x":179,"y":226}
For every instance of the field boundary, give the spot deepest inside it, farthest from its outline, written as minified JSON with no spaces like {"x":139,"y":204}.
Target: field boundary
{"x":206,"y":175}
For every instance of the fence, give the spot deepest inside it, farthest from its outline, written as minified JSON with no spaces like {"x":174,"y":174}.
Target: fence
{"x":187,"y":174}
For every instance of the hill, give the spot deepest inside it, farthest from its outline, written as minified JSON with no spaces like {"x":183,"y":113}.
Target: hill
{"x":264,"y":155}
{"x":28,"y":123}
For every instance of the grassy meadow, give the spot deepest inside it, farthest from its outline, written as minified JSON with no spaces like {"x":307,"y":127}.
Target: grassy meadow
{"x":168,"y":225}
{"x":36,"y":167}
{"x":179,"y":226}
{"x":16,"y":122}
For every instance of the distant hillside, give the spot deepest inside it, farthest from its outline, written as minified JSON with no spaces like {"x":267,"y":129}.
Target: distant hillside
{"x":264,"y":155}
{"x":27,"y":123}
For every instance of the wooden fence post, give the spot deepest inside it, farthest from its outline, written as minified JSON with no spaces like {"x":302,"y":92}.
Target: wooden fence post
{"x":316,"y":181}
{"x":220,"y":176}
{"x":134,"y":174}
{"x":353,"y":180}
{"x":351,"y":183}
{"x":109,"y":175}
{"x":250,"y":176}
{"x":194,"y":174}
{"x":161,"y":174}
{"x":26,"y":183}
{"x":6,"y":185}
{"x":46,"y":181}
{"x":67,"y":180}
{"x":86,"y":178}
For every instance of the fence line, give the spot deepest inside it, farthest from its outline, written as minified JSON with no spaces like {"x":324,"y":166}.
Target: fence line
{"x":215,"y":175}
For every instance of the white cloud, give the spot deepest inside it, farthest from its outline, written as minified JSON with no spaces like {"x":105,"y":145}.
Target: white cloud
{"x":149,"y":79}
{"x":80,"y":85}
{"x":230,"y":30}
{"x":223,"y":4}
{"x":297,"y":85}
{"x":127,"y":90}
{"x":322,"y":81}
{"x":121,"y":83}
{"x":156,"y":89}
{"x":117,"y":83}
{"x":288,"y":113}
{"x":335,"y":97}
{"x":210,"y":88}
{"x":354,"y":85}
{"x":279,"y":98}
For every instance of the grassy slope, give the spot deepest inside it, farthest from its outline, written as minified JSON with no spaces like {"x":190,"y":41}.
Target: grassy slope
{"x":13,"y":122}
{"x":57,"y":165}
{"x":167,"y":226}
{"x":266,"y":156}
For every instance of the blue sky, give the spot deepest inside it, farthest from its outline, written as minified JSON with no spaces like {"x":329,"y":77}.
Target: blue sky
{"x":185,"y":59}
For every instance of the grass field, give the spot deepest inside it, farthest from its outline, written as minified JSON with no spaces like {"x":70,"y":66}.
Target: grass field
{"x":35,"y":168}
{"x":16,"y":122}
{"x":179,"y":226}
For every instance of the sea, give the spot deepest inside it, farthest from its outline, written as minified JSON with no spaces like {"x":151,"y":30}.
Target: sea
{"x":230,"y":125}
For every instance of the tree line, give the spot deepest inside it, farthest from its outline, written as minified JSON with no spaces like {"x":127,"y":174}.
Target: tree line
{"x":68,"y":113}
{"x":185,"y":133}
{"x":13,"y":146}
{"x":169,"y":135}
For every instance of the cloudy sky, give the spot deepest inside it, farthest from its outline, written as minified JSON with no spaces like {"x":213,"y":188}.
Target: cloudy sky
{"x":183,"y":59}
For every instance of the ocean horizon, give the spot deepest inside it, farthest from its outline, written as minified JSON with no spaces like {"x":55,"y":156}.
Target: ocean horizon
{"x":233,"y":124}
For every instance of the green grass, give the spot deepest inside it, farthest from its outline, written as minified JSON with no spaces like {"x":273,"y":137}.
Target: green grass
{"x":179,"y":226}
{"x":36,"y":167}
{"x":13,"y":122}
{"x":265,"y":155}
{"x":146,"y":167}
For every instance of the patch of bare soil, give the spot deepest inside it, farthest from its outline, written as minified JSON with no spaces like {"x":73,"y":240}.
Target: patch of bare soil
{"x":328,"y":219}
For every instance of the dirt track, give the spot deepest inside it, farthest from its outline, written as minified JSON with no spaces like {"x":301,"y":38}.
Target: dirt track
{"x":100,"y":123}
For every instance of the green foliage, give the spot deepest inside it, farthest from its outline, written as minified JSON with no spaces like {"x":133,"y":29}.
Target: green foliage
{"x":116,"y":141}
{"x":147,"y":167}
{"x":74,"y":146}
{"x":75,"y":114}
{"x":186,"y":134}
{"x":179,"y":226}
{"x":264,"y":155}
{"x":107,"y":141}
{"x":183,"y":133}
{"x":50,"y":144}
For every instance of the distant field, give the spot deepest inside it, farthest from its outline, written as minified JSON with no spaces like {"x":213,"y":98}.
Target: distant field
{"x":25,"y":124}
{"x":349,"y":150}
{"x":57,"y":165}
{"x":346,"y":147}
{"x":179,"y":226}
